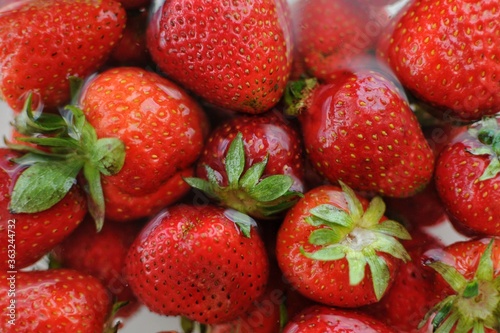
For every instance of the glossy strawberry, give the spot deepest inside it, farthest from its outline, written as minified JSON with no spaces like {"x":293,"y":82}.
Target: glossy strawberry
{"x":196,"y":262}
{"x":43,"y":42}
{"x":55,"y":301}
{"x":337,"y":249}
{"x":471,"y":268}
{"x":468,"y":177}
{"x":415,"y":290}
{"x":161,"y":126}
{"x":131,"y":49}
{"x":329,"y":34}
{"x":100,"y":254}
{"x":323,"y":319}
{"x":236,"y":55}
{"x":27,"y":237}
{"x":253,"y":164}
{"x":359,"y":129}
{"x":449,"y":56}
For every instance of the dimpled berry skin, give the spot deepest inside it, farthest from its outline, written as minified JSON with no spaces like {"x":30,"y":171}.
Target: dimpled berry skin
{"x":161,"y":126}
{"x":33,"y":234}
{"x":236,"y":55}
{"x":194,"y":261}
{"x":358,"y":129}
{"x":43,"y":42}
{"x":56,"y":301}
{"x":323,"y":319}
{"x":448,"y":53}
{"x":471,"y":203}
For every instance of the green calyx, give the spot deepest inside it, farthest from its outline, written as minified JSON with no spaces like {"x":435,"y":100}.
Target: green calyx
{"x":358,"y":236}
{"x":297,"y":94}
{"x":488,"y":134}
{"x":247,"y":192}
{"x":70,"y":147}
{"x":476,"y":302}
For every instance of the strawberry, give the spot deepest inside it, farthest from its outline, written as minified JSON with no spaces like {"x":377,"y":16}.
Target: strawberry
{"x":337,"y":249}
{"x":55,"y":301}
{"x":468,"y":176}
{"x":236,"y":55}
{"x":38,"y":52}
{"x":161,"y":126}
{"x":27,"y":237}
{"x":100,"y":254}
{"x":131,"y":49}
{"x":194,"y":261}
{"x":414,"y":291}
{"x":142,"y":145}
{"x":329,"y":34}
{"x":472,"y":269}
{"x":359,"y":129}
{"x":253,"y":164}
{"x":323,"y":319}
{"x":449,"y":56}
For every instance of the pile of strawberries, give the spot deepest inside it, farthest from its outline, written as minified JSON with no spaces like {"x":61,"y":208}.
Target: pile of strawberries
{"x":251,"y":166}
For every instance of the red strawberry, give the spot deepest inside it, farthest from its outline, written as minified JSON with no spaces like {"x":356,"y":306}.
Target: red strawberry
{"x":55,"y":301}
{"x":360,"y":130}
{"x":323,"y":319}
{"x":161,"y":126}
{"x":468,"y":177}
{"x":236,"y":55}
{"x":136,"y":131}
{"x":329,"y":35}
{"x":449,"y":56}
{"x":422,"y":209}
{"x":27,"y":237}
{"x":253,"y":164}
{"x":43,"y":42}
{"x":100,"y":254}
{"x":131,"y":49}
{"x":194,"y":261}
{"x":336,"y":248}
{"x":414,"y":291}
{"x":472,"y":269}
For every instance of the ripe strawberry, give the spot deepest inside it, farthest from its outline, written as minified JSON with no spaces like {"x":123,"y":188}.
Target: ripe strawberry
{"x":55,"y":301}
{"x":38,"y":52}
{"x":337,"y":249}
{"x":253,"y":164}
{"x":329,"y":34}
{"x":468,"y":176}
{"x":100,"y":254}
{"x":323,"y":319}
{"x":414,"y":291}
{"x":472,"y":269}
{"x":422,"y":209}
{"x":161,"y":126}
{"x":195,"y":262}
{"x":137,"y":129}
{"x":131,"y":49}
{"x":27,"y":237}
{"x":236,"y":55}
{"x":360,"y":130}
{"x":449,"y":56}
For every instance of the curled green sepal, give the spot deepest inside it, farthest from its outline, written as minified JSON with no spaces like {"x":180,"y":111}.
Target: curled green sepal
{"x":358,"y":236}
{"x":243,"y":221}
{"x":475,"y":305}
{"x":61,"y":146}
{"x":487,"y":133}
{"x":247,"y":191}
